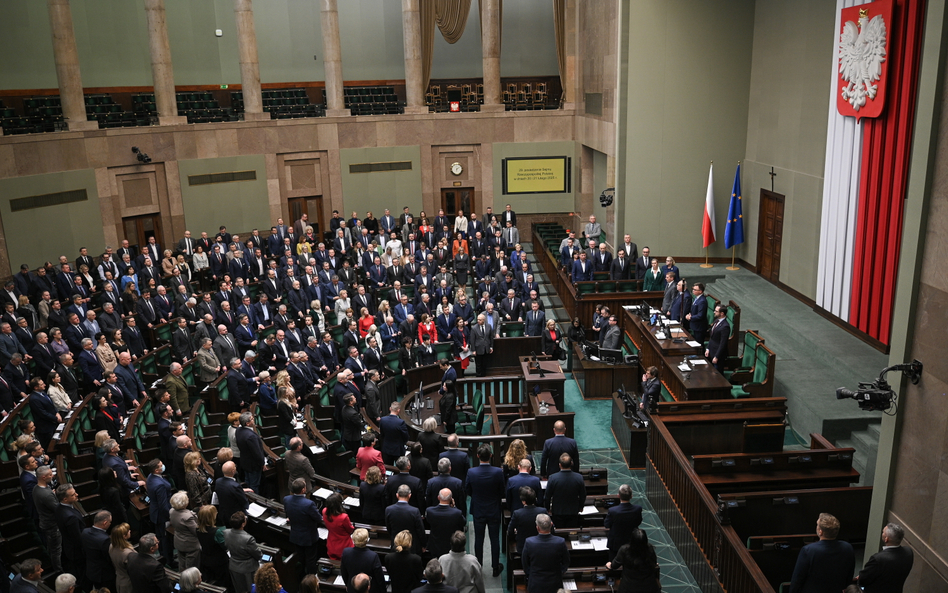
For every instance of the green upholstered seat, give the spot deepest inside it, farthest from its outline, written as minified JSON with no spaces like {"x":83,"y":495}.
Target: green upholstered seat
{"x":512,"y":329}
{"x":761,"y":382}
{"x":472,"y":421}
{"x":745,"y":363}
{"x":586,"y":287}
{"x":627,"y":286}
{"x":606,"y":286}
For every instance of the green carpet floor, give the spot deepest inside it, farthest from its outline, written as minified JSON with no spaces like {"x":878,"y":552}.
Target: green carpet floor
{"x":593,"y":421}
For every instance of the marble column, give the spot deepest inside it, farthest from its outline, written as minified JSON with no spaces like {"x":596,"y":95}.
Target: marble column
{"x":67,"y":66}
{"x":332,"y":58}
{"x":490,"y":48}
{"x":249,"y":67}
{"x":161,"y":70}
{"x":411,"y":32}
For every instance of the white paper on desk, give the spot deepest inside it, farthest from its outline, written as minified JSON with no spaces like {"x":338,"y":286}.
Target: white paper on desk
{"x":543,"y":484}
{"x":351,"y":501}
{"x":339,"y":580}
{"x":578,"y":545}
{"x":299,"y":426}
{"x":214,"y":499}
{"x":278,"y":521}
{"x":60,"y":427}
{"x":684,"y":367}
{"x":697,"y":361}
{"x":589,"y":510}
{"x":600,"y":543}
{"x":316,"y":449}
{"x":322,"y":532}
{"x":255,"y":510}
{"x":693,"y":344}
{"x":672,"y":323}
{"x":569,"y":584}
{"x":323,"y":493}
{"x":654,"y":311}
{"x":660,"y":336}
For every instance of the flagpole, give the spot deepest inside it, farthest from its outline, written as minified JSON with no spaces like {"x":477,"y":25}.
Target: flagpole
{"x":732,"y":267}
{"x":706,"y":264}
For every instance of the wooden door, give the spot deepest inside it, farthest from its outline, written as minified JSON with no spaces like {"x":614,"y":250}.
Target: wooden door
{"x":312,"y":207}
{"x":458,"y":198}
{"x":770,"y":235}
{"x":139,"y":228}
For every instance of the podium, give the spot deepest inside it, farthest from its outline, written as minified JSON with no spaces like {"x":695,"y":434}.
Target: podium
{"x":547,"y":374}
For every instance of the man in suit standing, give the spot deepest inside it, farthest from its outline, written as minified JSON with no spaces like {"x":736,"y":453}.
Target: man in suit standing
{"x":651,"y":387}
{"x":698,"y":318}
{"x":95,"y":540}
{"x":230,"y":496}
{"x":621,"y":520}
{"x":610,"y":340}
{"x":29,"y":578}
{"x":305,"y":519}
{"x":582,"y":269}
{"x":886,"y":571}
{"x":535,"y":320}
{"x":45,"y":416}
{"x":394,"y":433}
{"x":159,"y":507}
{"x":71,"y":523}
{"x":523,"y":521}
{"x":520,"y":480}
{"x":559,"y":444}
{"x":619,"y":268}
{"x":444,"y":519}
{"x":826,"y":565}
{"x":252,"y":458}
{"x":566,"y":494}
{"x":643,"y":264}
{"x":482,"y":345}
{"x":144,"y":570}
{"x":545,"y":558}
{"x":403,"y":516}
{"x":718,"y":337}
{"x":485,"y":487}
{"x":670,"y":293}
{"x":404,"y":478}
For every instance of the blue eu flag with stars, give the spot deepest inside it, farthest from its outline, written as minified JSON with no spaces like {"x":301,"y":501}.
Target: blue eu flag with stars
{"x":734,"y":229}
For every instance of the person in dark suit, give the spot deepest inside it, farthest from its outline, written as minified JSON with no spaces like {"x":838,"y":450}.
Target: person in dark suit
{"x":443,"y":480}
{"x":718,"y":337}
{"x":559,"y":444}
{"x":144,"y":570}
{"x":566,"y":494}
{"x":434,"y":574}
{"x":71,"y":523}
{"x":545,"y":558}
{"x":444,"y":518}
{"x":394,"y":433}
{"x":305,"y":519}
{"x":620,"y":269}
{"x":159,"y":508}
{"x":886,"y":571}
{"x":31,"y":574}
{"x":45,"y":416}
{"x":352,"y":424}
{"x":698,"y":317}
{"x":621,"y":520}
{"x":459,"y":458}
{"x":238,"y":387}
{"x":613,"y":335}
{"x":230,"y":496}
{"x":826,"y":565}
{"x":582,"y":270}
{"x":95,"y":541}
{"x":403,"y":465}
{"x":485,"y":487}
{"x":642,"y":264}
{"x":252,"y":457}
{"x":359,"y":560}
{"x":403,"y":516}
{"x":523,"y":520}
{"x":651,"y":387}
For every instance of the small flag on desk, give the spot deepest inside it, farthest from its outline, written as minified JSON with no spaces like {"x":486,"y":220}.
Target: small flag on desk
{"x":734,"y":229}
{"x":707,"y":223}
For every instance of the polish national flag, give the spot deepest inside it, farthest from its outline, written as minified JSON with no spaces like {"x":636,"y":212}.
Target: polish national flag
{"x":707,"y":222}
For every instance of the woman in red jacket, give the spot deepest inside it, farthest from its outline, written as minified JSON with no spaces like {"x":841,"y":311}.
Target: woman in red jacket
{"x":339,"y":525}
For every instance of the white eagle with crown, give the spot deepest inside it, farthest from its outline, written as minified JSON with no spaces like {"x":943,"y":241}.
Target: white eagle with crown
{"x":861,"y":54}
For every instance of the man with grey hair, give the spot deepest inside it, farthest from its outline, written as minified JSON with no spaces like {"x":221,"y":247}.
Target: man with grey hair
{"x":44,"y":499}
{"x":621,"y":520}
{"x":545,"y":558}
{"x":31,"y":574}
{"x":444,"y":479}
{"x":65,"y":583}
{"x":252,"y":457}
{"x":144,"y":570}
{"x":90,"y":365}
{"x":178,"y":388}
{"x":403,"y":516}
{"x":887,"y":569}
{"x":95,"y":543}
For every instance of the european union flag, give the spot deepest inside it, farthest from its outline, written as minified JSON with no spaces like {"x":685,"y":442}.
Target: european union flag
{"x":734,"y":229}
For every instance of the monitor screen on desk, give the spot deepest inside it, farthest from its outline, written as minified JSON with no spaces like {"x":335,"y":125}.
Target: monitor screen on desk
{"x":608,"y":354}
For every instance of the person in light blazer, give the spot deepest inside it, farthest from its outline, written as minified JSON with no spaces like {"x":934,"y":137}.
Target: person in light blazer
{"x":244,"y":553}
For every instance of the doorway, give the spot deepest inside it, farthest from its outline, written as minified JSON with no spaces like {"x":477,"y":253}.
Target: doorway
{"x":770,"y":235}
{"x":139,"y":228}
{"x":312,"y":207}
{"x":458,"y":198}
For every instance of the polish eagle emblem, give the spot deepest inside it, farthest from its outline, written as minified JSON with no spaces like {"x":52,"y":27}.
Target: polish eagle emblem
{"x":862,"y":53}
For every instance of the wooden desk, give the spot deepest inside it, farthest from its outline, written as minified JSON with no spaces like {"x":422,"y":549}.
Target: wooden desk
{"x":633,"y":442}
{"x":544,"y":422}
{"x":553,"y":379}
{"x":598,"y":380}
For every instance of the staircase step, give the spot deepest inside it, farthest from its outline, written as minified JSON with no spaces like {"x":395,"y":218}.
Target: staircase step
{"x":865,"y":440}
{"x":876,"y":429}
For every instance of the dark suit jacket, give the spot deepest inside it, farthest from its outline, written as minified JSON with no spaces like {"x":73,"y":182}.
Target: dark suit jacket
{"x":545,"y":560}
{"x":699,"y":318}
{"x":565,"y":493}
{"x":485,"y":487}
{"x":612,"y":337}
{"x":620,"y":521}
{"x":147,"y":574}
{"x":230,"y":497}
{"x":252,"y":457}
{"x":553,"y":448}
{"x":823,"y":567}
{"x":444,"y":520}
{"x":359,"y":560}
{"x":304,"y":518}
{"x":159,"y":490}
{"x":21,"y":585}
{"x":394,"y":434}
{"x":515,"y":483}
{"x":523,"y":524}
{"x":70,"y":523}
{"x":887,"y":570}
{"x":391,"y":489}
{"x":717,"y":340}
{"x":401,"y":516}
{"x":44,"y":414}
{"x":651,"y":391}
{"x":99,"y":567}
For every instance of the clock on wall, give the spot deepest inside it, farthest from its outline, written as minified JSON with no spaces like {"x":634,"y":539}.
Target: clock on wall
{"x":456,"y":168}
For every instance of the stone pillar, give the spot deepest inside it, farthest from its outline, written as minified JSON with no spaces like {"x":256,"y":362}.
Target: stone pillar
{"x":411,"y":32}
{"x":332,"y":58}
{"x":490,"y":47}
{"x":249,"y":67}
{"x":161,"y":71}
{"x":67,"y":66}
